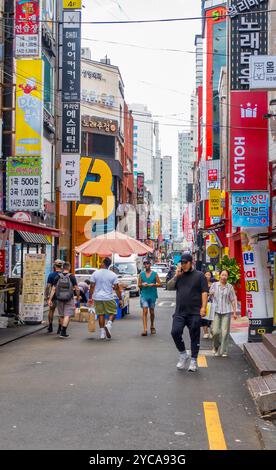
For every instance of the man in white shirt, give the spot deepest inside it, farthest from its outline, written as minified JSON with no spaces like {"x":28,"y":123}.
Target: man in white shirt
{"x":101,"y":290}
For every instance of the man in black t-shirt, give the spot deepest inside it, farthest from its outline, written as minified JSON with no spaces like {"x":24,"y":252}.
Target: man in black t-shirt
{"x":191,"y":302}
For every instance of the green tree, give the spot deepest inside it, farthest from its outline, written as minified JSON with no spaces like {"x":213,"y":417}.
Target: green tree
{"x":233,"y":267}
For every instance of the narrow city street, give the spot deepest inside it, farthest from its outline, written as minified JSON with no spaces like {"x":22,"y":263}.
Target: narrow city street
{"x":82,"y":393}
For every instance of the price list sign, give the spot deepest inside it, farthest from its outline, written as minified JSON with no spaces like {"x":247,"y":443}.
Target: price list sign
{"x":24,"y":184}
{"x":33,"y":287}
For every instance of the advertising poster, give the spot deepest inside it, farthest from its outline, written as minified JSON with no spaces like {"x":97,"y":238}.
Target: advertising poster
{"x":33,"y":287}
{"x":257,"y":281}
{"x":70,"y":177}
{"x":29,"y":107}
{"x":248,"y":141}
{"x":24,"y":184}
{"x":27,"y":30}
{"x":250,"y":209}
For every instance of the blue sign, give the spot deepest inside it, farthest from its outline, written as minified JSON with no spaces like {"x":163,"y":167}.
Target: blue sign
{"x":250,"y":209}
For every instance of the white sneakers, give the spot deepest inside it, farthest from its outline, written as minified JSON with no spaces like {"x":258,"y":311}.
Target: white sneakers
{"x":102,"y":333}
{"x":193,"y":365}
{"x":182,"y":362}
{"x":107,"y":328}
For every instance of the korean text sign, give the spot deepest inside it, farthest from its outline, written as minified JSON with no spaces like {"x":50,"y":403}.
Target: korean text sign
{"x":140,"y":188}
{"x":27,"y":30}
{"x":24,"y":184}
{"x":250,"y":209}
{"x":29,"y":107}
{"x":71,"y":128}
{"x":33,"y":287}
{"x":70,"y":177}
{"x":71,"y":56}
{"x":249,"y":36}
{"x":248,"y":141}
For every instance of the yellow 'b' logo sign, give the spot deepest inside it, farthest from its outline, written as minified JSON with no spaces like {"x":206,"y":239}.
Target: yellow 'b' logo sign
{"x":98,"y":189}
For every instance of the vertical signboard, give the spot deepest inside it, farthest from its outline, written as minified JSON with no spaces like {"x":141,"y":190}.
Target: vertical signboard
{"x":250,"y":209}
{"x":71,"y":56}
{"x":215,"y":203}
{"x":248,"y":142}
{"x":29,"y":107}
{"x":27,"y":29}
{"x":140,"y":188}
{"x":249,"y":36}
{"x":2,"y":261}
{"x":70,"y":178}
{"x":71,"y":128}
{"x":33,"y":287}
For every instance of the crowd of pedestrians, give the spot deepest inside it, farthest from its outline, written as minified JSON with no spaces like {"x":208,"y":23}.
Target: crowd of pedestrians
{"x":201,"y":301}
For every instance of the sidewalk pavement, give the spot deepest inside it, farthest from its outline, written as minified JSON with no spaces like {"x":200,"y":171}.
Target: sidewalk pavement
{"x":239,"y":331}
{"x":12,"y":333}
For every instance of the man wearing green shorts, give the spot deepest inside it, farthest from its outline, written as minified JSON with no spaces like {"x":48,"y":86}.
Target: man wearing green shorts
{"x":101,"y":290}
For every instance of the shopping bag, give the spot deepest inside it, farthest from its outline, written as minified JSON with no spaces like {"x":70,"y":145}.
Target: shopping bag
{"x":91,"y":322}
{"x":210,"y":311}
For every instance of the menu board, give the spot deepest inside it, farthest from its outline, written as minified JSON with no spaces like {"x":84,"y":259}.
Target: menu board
{"x":33,"y":287}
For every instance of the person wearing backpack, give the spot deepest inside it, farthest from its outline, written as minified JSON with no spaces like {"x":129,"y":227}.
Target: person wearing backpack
{"x":64,"y":288}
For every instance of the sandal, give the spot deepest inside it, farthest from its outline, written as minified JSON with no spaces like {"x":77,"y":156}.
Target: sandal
{"x":153,"y":331}
{"x":144,"y":334}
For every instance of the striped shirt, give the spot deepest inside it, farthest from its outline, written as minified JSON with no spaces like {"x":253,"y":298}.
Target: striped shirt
{"x":224,"y":296}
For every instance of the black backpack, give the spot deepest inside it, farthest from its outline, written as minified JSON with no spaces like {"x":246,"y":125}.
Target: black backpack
{"x":64,"y":288}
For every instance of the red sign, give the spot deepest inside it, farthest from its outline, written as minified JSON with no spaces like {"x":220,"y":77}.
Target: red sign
{"x":212,"y":175}
{"x":2,"y":261}
{"x":248,"y":141}
{"x":27,"y":28}
{"x":27,"y":17}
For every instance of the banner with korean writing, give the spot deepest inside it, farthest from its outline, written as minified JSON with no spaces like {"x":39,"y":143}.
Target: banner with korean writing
{"x":27,"y":30}
{"x":33,"y":287}
{"x":24,"y":184}
{"x":140,"y":188}
{"x":259,"y":297}
{"x":71,"y":128}
{"x":215,"y":203}
{"x":71,"y":56}
{"x":250,"y":209}
{"x":249,"y":36}
{"x":248,"y":141}
{"x":70,"y":177}
{"x":29,"y":107}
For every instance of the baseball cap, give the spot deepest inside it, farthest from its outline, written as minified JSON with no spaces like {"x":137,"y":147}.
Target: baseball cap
{"x":146,"y":260}
{"x":186,"y":257}
{"x":58,"y":262}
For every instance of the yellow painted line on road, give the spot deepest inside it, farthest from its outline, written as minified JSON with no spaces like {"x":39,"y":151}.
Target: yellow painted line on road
{"x":213,"y":426}
{"x":202,"y":361}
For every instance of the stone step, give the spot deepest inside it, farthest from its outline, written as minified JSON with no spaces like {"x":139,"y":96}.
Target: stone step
{"x":260,"y":358}
{"x":263,"y":392}
{"x":269,"y":341}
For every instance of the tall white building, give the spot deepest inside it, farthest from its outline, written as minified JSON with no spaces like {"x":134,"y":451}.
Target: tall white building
{"x":142,"y":140}
{"x":185,"y":162}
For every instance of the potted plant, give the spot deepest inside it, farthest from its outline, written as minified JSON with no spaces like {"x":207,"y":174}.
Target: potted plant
{"x":234,"y":270}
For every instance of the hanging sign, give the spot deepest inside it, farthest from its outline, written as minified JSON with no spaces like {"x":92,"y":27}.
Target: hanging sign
{"x":27,"y":34}
{"x":70,"y":177}
{"x":23,"y":184}
{"x":250,"y":209}
{"x":215,"y":200}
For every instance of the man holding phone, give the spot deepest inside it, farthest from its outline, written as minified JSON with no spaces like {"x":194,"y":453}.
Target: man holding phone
{"x":191,"y":303}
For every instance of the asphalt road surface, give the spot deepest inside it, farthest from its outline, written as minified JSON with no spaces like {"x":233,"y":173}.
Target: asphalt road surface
{"x":83,"y":393}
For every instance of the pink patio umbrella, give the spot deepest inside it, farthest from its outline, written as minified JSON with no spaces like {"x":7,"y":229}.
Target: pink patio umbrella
{"x":111,"y":243}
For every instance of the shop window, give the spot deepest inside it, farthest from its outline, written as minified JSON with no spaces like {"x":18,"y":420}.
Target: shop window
{"x":48,"y":86}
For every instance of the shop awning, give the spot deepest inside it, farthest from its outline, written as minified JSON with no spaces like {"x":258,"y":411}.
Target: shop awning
{"x":12,"y":224}
{"x":219,"y":230}
{"x":34,"y":238}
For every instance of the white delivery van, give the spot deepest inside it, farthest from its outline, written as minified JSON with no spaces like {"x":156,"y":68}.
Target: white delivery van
{"x":127,"y":270}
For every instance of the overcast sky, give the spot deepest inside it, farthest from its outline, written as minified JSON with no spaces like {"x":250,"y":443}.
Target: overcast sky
{"x":162,"y":80}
